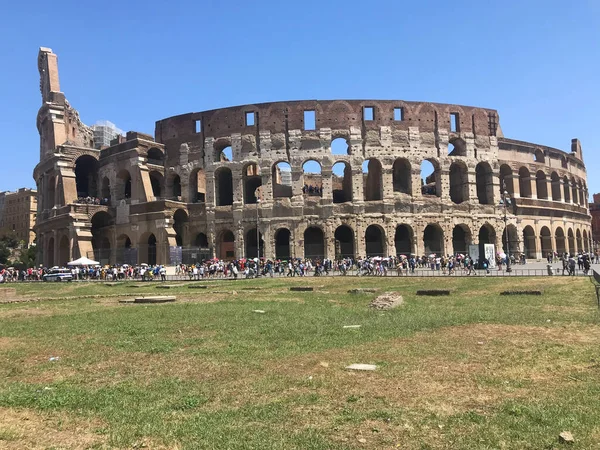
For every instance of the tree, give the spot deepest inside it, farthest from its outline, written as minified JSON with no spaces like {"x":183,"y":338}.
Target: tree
{"x":27,"y":257}
{"x":4,"y":253}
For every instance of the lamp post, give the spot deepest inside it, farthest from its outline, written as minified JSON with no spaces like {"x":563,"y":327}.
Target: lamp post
{"x":506,"y":201}
{"x":257,"y":234}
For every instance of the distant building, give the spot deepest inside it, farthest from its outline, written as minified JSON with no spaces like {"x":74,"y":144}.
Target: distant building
{"x":104,"y":133}
{"x":595,"y":212}
{"x":19,"y":213}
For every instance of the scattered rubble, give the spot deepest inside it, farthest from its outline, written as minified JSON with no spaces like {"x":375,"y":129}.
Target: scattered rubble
{"x":387,"y":300}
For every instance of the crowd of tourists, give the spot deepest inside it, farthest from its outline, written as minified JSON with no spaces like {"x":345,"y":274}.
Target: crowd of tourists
{"x":92,"y":201}
{"x":312,"y":190}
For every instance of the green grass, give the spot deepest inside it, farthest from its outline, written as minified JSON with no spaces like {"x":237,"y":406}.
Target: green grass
{"x":475,"y":370}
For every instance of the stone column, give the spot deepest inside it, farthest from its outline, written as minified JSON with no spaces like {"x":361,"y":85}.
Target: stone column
{"x":516,"y":185}
{"x":533,"y":184}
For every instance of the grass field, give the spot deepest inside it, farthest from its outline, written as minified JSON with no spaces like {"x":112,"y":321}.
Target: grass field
{"x":474,"y":370}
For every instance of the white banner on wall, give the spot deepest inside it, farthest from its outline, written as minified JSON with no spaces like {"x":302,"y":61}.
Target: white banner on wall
{"x":490,"y":254}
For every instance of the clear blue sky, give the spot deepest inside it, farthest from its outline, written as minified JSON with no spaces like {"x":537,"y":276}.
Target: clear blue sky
{"x":134,"y":62}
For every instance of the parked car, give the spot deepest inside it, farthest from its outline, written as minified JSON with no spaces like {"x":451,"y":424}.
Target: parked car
{"x":58,"y":275}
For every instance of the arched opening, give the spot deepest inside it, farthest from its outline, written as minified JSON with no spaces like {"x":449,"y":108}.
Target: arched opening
{"x":506,"y":179}
{"x":401,"y":173}
{"x":63,"y":251}
{"x":459,"y":183}
{"x":524,"y":182}
{"x":156,"y":156}
{"x":226,"y":245}
{"x":571,"y":237}
{"x":541,"y":184}
{"x":51,"y":196}
{"x":312,"y":184}
{"x":372,"y":185}
{"x":433,"y":239}
{"x":457,"y":147}
{"x":461,"y":238}
{"x":224,"y":186}
{"x":198,"y":186}
{"x":339,"y":146}
{"x":580,"y":188}
{"x":566,"y":190}
{"x":403,"y":240}
{"x":102,"y":224}
{"x":252,"y":248}
{"x":487,"y":235}
{"x":574,"y":195}
{"x":174,"y":187}
{"x":123,"y":185}
{"x":559,"y":237}
{"x":586,"y":242}
{"x":485,"y":183}
{"x":529,"y":247}
{"x":201,"y":241}
{"x":105,"y":191}
{"x":430,"y":178}
{"x":579,"y":241}
{"x":125,"y":253}
{"x":510,"y":239}
{"x":156,"y":180}
{"x":224,"y":154}
{"x":538,"y":156}
{"x":180,"y":223}
{"x":341,"y":181}
{"x":314,"y":243}
{"x":151,"y":242}
{"x":282,"y":244}
{"x":282,"y":180}
{"x":252,"y":181}
{"x":375,"y":241}
{"x":344,"y":242}
{"x":50,"y":253}
{"x":555,"y":179}
{"x":86,"y":176}
{"x":546,"y":241}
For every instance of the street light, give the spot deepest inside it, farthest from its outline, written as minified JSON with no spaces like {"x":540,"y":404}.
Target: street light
{"x":506,"y":202}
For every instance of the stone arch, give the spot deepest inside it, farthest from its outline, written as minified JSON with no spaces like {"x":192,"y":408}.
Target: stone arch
{"x":314,"y":243}
{"x":64,"y":253}
{"x":457,"y":147}
{"x":401,"y":176}
{"x":524,"y":182}
{"x":579,"y":240}
{"x":555,"y":180}
{"x":546,"y":241}
{"x":375,"y":241}
{"x":157,"y":183}
{"x":461,"y":238}
{"x":105,"y":191}
{"x":574,"y":195}
{"x":541,"y":183}
{"x":201,"y":240}
{"x":226,"y":245}
{"x":485,"y":183}
{"x":156,"y":156}
{"x":251,"y":182}
{"x":102,"y":224}
{"x":510,"y":239}
{"x":344,"y":242}
{"x":124,"y":185}
{"x":431,"y":183}
{"x":341,"y":182}
{"x":459,"y":182}
{"x":223,"y":186}
{"x":197,"y":186}
{"x":180,"y":224}
{"x":125,"y":253}
{"x":529,"y":247}
{"x":403,"y":240}
{"x":433,"y":239}
{"x":566,"y":189}
{"x":312,"y":179}
{"x":571,"y":240}
{"x":538,"y":156}
{"x":506,"y":179}
{"x":282,"y":180}
{"x":255,"y":245}
{"x":559,"y":237}
{"x":173,"y":186}
{"x":283,"y":237}
{"x":372,"y":180}
{"x":86,"y":176}
{"x":223,"y":151}
{"x":580,"y":189}
{"x":487,"y":235}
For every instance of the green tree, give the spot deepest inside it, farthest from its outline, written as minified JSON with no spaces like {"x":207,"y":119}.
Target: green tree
{"x":4,"y":253}
{"x":27,"y":258}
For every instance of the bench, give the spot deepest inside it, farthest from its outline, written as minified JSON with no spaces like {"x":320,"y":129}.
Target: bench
{"x":596,"y":281}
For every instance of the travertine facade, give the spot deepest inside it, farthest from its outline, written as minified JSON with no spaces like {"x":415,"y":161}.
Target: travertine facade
{"x":191,"y":190}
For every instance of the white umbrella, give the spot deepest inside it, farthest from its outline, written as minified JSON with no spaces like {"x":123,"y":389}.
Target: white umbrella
{"x":83,"y":261}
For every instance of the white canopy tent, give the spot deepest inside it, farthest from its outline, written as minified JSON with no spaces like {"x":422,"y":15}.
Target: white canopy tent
{"x":83,"y":261}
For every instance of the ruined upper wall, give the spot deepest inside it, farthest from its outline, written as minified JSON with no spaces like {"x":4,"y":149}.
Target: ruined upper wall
{"x":280,"y":117}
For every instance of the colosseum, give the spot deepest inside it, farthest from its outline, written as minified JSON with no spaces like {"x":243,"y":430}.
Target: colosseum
{"x":301,"y":179}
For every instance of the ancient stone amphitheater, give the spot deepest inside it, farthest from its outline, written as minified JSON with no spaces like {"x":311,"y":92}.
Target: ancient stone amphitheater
{"x":318,"y":178}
